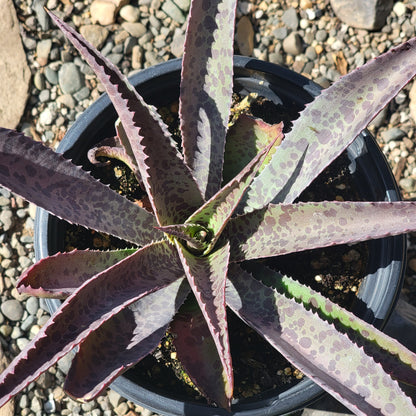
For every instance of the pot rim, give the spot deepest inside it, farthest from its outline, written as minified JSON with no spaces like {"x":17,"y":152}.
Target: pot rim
{"x":380,"y":299}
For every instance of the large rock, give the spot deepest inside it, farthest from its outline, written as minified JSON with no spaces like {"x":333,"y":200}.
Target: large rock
{"x":363,"y":14}
{"x":14,"y":71}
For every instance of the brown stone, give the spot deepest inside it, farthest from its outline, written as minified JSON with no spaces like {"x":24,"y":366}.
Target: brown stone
{"x":13,"y":68}
{"x":245,"y":36}
{"x":8,"y":408}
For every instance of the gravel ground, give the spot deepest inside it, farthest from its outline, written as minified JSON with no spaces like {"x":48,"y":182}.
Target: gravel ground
{"x":302,"y":35}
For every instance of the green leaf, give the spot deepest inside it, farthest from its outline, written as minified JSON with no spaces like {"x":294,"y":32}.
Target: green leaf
{"x":206,"y":88}
{"x":245,"y":139}
{"x":216,"y":212}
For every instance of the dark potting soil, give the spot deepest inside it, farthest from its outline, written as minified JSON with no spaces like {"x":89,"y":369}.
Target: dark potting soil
{"x":334,"y":271}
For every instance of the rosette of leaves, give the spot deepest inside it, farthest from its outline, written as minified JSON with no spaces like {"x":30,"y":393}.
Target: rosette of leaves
{"x":205,"y":220}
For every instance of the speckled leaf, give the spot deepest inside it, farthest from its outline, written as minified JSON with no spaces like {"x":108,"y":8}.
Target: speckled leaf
{"x":172,"y":190}
{"x":245,"y":138}
{"x":206,"y":88}
{"x":45,"y":178}
{"x":282,"y":229}
{"x":316,"y":348}
{"x":123,"y":340}
{"x":216,"y":212}
{"x":396,"y":360}
{"x":98,"y":299}
{"x":198,"y":355}
{"x":330,"y":123}
{"x":58,"y":276}
{"x":207,"y":276}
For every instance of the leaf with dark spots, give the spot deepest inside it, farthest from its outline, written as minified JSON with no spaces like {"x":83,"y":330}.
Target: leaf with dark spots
{"x":283,"y":229}
{"x":337,"y":364}
{"x":97,"y":300}
{"x":171,"y":188}
{"x":396,"y":360}
{"x":58,"y":276}
{"x":330,"y":123}
{"x":70,"y":193}
{"x":245,"y":139}
{"x":136,"y":331}
{"x":198,"y":355}
{"x":216,"y":212}
{"x":206,"y":87}
{"x":207,"y":276}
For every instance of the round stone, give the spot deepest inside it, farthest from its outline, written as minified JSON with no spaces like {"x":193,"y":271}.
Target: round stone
{"x":12,"y":309}
{"x":70,"y":78}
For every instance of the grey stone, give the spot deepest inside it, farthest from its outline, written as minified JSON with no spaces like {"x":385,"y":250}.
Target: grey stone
{"x":12,"y":309}
{"x":51,"y":76}
{"x":408,"y":184}
{"x":134,"y":29}
{"x":280,"y":33}
{"x":82,"y":94}
{"x":130,"y":13}
{"x":363,"y":14}
{"x":46,"y":117}
{"x":173,"y":11}
{"x":70,"y":78}
{"x":13,"y":68}
{"x":43,"y":49}
{"x":176,"y":46}
{"x":6,"y":251}
{"x":128,"y":45}
{"x":293,"y":44}
{"x":95,"y":34}
{"x":41,"y":15}
{"x":6,"y":219}
{"x":44,"y":96}
{"x":27,"y":323}
{"x":32,"y":305}
{"x":39,"y":80}
{"x":290,"y":18}
{"x":392,"y":134}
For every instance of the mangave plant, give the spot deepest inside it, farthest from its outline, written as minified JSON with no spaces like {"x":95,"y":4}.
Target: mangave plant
{"x":193,"y":245}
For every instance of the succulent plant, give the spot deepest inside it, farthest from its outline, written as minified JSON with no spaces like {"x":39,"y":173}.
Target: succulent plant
{"x":206,"y":222}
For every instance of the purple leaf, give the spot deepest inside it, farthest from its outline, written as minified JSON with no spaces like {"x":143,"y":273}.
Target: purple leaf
{"x":282,"y":229}
{"x":172,"y":190}
{"x":330,"y":123}
{"x":58,"y":276}
{"x":206,"y":87}
{"x":123,"y":340}
{"x":316,"y":347}
{"x":396,"y":360}
{"x":245,"y":139}
{"x":97,"y":300}
{"x":198,"y":355}
{"x":47,"y":179}
{"x":207,"y":276}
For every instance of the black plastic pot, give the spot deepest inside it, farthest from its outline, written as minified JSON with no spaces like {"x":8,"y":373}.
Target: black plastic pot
{"x":377,"y":295}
